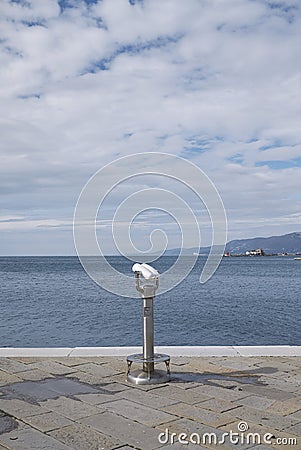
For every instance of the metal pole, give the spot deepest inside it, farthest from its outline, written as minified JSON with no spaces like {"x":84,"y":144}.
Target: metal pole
{"x":148,"y":334}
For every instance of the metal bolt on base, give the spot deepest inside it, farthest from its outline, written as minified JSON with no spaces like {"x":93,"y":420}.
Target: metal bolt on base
{"x":148,"y":374}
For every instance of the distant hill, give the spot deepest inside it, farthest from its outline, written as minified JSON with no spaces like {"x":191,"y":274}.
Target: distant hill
{"x":288,"y":243}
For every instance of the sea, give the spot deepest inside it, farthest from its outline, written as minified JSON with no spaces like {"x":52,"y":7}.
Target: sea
{"x":52,"y":302}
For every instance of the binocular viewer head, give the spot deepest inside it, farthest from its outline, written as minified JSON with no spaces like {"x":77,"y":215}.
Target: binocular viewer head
{"x":146,"y":271}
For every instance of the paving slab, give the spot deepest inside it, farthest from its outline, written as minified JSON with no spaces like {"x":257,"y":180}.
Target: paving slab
{"x":85,"y":402}
{"x":8,"y":378}
{"x":218,"y":405}
{"x":140,"y":413}
{"x":199,"y":414}
{"x":81,"y":437}
{"x":99,"y":370}
{"x":20,"y":409}
{"x":147,"y":399}
{"x":72,"y":409}
{"x":96,"y":399}
{"x":190,"y":396}
{"x":11,"y":366}
{"x":47,"y":422}
{"x":264,"y":418}
{"x":52,"y":367}
{"x":126,"y":430}
{"x":27,"y":438}
{"x":34,"y":375}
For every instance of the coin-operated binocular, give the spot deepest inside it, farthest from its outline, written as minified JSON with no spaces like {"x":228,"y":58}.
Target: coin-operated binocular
{"x":147,"y":282}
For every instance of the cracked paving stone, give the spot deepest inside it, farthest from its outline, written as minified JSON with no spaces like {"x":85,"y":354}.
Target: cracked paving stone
{"x":82,"y":437}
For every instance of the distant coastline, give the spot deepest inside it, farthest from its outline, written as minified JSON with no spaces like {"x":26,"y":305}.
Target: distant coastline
{"x":283,"y":245}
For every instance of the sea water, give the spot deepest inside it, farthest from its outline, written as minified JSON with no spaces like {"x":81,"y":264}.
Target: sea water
{"x":51,"y":302}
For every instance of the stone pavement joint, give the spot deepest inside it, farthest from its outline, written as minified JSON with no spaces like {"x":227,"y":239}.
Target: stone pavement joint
{"x":85,"y":403}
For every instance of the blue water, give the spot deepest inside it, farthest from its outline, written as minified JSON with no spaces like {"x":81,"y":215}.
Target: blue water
{"x":51,"y":302}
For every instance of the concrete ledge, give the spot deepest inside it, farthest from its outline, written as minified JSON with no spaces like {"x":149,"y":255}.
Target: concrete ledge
{"x":214,"y":351}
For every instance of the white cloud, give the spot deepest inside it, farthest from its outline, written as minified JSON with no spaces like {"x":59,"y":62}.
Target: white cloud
{"x":217,"y":82}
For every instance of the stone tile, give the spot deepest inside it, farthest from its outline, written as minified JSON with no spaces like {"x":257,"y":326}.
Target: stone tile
{"x":280,"y":384}
{"x":72,"y":409}
{"x":296,"y":415}
{"x":265,"y":391}
{"x":223,"y":393}
{"x":20,"y":409}
{"x":85,"y":377}
{"x":98,"y":370}
{"x":179,"y":361}
{"x":199,"y":414}
{"x":146,"y":398}
{"x":26,"y":438}
{"x":81,"y":437}
{"x":27,"y":359}
{"x":218,"y":405}
{"x":286,"y":407}
{"x":47,"y":422}
{"x":295,"y":429}
{"x":188,"y":396}
{"x":116,"y":387}
{"x":126,"y":430}
{"x":263,"y":418}
{"x":52,"y":367}
{"x":34,"y":375}
{"x":71,"y":361}
{"x":256,"y":402}
{"x":207,"y":366}
{"x":7,"y":423}
{"x":117,"y":365}
{"x":7,"y":378}
{"x":96,"y":399}
{"x":141,"y":413}
{"x":11,"y":366}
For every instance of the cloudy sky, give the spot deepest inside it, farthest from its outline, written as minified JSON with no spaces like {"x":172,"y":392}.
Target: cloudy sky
{"x":84,"y":82}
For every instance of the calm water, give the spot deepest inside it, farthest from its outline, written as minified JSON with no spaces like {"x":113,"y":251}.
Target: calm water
{"x":51,"y":302}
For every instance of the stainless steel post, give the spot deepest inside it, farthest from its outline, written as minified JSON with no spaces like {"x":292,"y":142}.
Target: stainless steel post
{"x":147,"y":282}
{"x":148,"y":334}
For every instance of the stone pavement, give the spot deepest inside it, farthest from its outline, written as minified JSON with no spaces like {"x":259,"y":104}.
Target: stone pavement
{"x":86,"y":404}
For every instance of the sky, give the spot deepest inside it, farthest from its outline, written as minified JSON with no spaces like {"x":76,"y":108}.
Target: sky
{"x":217,"y":82}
